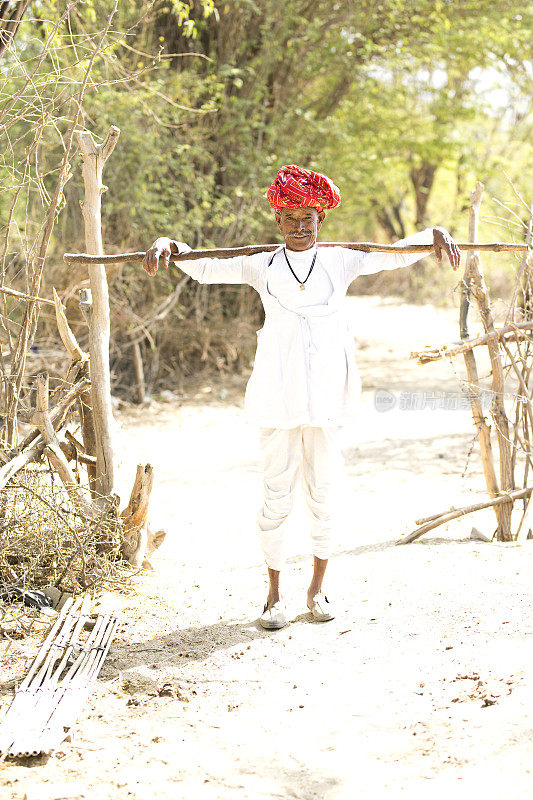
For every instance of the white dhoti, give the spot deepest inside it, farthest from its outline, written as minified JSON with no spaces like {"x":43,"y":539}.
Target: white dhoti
{"x":290,"y":454}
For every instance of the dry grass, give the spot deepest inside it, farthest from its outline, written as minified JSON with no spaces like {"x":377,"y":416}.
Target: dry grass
{"x":45,"y":542}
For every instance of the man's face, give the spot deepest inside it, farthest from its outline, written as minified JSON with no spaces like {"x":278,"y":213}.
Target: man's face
{"x":299,"y":226}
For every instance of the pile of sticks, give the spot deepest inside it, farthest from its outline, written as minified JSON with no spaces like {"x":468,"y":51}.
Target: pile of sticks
{"x":58,"y":683}
{"x":74,"y":538}
{"x":510,"y":352}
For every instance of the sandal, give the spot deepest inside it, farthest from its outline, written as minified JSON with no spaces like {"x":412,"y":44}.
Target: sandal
{"x":321,"y":609}
{"x":274,"y":618}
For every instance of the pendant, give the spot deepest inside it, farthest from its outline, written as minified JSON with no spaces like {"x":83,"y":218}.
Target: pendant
{"x":302,"y":287}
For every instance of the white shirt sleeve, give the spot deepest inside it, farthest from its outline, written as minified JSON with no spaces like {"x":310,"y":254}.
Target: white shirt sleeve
{"x":358,"y":263}
{"x":240,"y":269}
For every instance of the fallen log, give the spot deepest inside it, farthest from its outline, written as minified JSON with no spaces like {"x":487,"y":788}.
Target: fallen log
{"x":447,"y":516}
{"x":253,"y":249}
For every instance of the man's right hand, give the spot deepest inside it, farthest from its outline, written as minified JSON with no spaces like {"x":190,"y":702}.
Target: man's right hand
{"x":161,"y":251}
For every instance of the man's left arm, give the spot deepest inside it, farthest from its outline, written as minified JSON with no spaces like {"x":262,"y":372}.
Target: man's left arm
{"x":438,"y":240}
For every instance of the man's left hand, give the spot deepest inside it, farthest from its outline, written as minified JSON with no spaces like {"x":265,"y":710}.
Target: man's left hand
{"x":443,"y":243}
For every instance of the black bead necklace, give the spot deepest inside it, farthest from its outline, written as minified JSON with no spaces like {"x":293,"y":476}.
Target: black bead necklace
{"x":302,"y":283}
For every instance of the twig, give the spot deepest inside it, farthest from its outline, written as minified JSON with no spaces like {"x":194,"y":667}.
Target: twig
{"x":23,"y":296}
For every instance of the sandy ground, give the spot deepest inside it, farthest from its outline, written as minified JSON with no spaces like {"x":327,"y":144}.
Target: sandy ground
{"x":420,"y":687}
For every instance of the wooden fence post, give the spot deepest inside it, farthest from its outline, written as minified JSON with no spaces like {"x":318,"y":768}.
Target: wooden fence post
{"x":94,"y":157}
{"x":474,"y":389}
{"x":499,"y":415}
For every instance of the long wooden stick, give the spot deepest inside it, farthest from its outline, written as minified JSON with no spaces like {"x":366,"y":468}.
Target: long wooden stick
{"x":252,"y":249}
{"x":434,"y":354}
{"x":447,"y":516}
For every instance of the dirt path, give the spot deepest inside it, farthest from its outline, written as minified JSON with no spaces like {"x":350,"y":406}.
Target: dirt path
{"x":420,"y":687}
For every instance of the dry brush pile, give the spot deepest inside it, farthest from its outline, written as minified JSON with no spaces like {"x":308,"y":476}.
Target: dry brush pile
{"x":54,"y":527}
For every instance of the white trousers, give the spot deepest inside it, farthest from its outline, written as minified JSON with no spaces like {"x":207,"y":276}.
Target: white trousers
{"x":288,"y":454}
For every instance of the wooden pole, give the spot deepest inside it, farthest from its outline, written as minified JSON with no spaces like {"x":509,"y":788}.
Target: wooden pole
{"x":253,"y":249}
{"x":94,"y":157}
{"x":499,"y":415}
{"x":474,"y":390}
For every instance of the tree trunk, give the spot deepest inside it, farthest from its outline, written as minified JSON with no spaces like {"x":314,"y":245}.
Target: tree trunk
{"x":94,"y":157}
{"x":422,"y":179}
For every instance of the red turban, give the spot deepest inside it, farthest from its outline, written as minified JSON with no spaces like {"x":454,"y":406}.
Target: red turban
{"x":295,"y":187}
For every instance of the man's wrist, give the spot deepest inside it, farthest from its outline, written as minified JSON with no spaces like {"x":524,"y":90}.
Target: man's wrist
{"x":179,"y":247}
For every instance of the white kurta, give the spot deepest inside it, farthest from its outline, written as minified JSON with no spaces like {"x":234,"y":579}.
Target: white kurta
{"x":304,"y":371}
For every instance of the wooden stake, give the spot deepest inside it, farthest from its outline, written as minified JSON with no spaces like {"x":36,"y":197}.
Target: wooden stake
{"x":135,"y":516}
{"x":499,"y":415}
{"x":474,"y":391}
{"x":94,"y":157}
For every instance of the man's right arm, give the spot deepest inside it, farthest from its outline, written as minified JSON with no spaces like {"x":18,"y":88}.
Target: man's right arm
{"x":240,"y":269}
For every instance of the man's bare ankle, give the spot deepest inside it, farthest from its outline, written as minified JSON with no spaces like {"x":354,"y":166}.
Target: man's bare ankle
{"x":272,"y":599}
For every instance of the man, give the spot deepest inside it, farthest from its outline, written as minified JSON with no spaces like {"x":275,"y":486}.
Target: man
{"x":304,"y":383}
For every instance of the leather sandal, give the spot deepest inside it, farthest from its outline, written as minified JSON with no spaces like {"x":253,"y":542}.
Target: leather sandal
{"x":275,"y":617}
{"x":321,"y":609}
